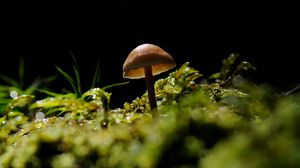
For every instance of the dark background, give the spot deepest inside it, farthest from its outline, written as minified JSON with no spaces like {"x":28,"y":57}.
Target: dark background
{"x":265,"y":33}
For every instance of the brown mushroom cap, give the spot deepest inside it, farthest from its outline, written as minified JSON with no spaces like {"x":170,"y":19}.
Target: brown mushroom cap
{"x":147,"y":55}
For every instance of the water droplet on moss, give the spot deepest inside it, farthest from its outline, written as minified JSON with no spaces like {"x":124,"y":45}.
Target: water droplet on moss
{"x":13,"y":94}
{"x":39,"y":116}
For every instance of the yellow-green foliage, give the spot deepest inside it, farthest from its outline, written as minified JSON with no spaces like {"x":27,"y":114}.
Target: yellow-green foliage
{"x":224,"y":121}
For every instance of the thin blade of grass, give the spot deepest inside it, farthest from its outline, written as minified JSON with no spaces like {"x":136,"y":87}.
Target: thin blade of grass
{"x":77,"y":79}
{"x":4,"y":88}
{"x":5,"y":100}
{"x":9,"y":80}
{"x":21,"y":72}
{"x":70,"y":80}
{"x":76,"y":70}
{"x":49,"y":79}
{"x":33,"y":86}
{"x":114,"y":85}
{"x":49,"y":92}
{"x":38,"y":82}
{"x":96,"y":77}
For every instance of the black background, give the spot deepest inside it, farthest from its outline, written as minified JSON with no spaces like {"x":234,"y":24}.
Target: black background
{"x":265,"y":33}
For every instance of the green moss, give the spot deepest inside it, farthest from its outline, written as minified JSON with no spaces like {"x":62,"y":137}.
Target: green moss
{"x":224,"y":120}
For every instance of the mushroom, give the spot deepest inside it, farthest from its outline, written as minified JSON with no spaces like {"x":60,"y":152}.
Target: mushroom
{"x":144,"y":61}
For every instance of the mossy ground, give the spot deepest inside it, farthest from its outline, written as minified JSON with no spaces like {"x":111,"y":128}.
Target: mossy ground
{"x":224,"y":120}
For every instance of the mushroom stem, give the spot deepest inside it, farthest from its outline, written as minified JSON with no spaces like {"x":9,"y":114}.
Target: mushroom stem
{"x":150,"y":87}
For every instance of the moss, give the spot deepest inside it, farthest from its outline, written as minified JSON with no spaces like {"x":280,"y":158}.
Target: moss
{"x":225,"y":120}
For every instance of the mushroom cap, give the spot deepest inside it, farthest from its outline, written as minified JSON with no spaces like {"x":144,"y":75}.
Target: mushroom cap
{"x":147,"y":55}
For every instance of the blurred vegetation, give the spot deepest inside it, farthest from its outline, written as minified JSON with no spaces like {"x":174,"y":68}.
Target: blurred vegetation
{"x":223,"y":120}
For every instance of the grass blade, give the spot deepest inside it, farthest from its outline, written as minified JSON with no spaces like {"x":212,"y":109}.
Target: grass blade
{"x":70,"y":80}
{"x":33,"y":86}
{"x":116,"y":84}
{"x":9,"y":80}
{"x":21,"y":73}
{"x":76,"y":70}
{"x":96,"y":77}
{"x":49,"y":92}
